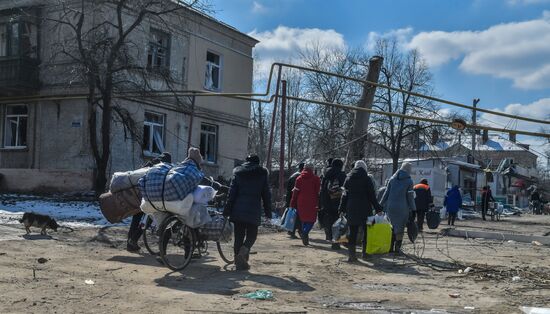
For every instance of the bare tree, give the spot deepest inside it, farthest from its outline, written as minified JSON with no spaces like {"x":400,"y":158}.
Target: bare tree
{"x":100,"y":38}
{"x":407,"y":71}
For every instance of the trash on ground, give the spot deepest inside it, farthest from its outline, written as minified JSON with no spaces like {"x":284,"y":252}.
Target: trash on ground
{"x":259,"y":295}
{"x":470,"y":308}
{"x":468,"y":269}
{"x":454,"y":295}
{"x":516,"y":278}
{"x":89,"y":282}
{"x":537,"y":243}
{"x":511,"y":241}
{"x":42,"y":260}
{"x":534,"y":310}
{"x":460,"y":271}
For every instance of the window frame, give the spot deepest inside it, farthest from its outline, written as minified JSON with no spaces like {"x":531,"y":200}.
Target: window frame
{"x":6,"y":125}
{"x":207,"y":133}
{"x":153,"y":47}
{"x":149,"y":151}
{"x":15,"y":31}
{"x":220,"y":71}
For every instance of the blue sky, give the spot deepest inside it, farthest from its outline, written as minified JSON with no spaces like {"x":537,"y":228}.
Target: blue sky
{"x":495,"y":50}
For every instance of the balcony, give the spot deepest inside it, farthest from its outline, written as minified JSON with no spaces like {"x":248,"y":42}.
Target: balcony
{"x":18,"y":75}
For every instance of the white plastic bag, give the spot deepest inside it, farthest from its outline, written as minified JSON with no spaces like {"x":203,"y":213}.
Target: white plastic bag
{"x":459,"y":215}
{"x":443,"y":212}
{"x":204,"y":194}
{"x":378,"y":219}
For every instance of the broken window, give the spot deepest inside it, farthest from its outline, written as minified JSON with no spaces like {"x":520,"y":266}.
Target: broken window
{"x":158,"y":56}
{"x":153,"y":133}
{"x":19,"y":39}
{"x":15,"y":127}
{"x":209,"y":142}
{"x":212,"y":79}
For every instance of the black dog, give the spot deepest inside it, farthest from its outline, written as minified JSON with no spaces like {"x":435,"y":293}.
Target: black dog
{"x":40,"y":221}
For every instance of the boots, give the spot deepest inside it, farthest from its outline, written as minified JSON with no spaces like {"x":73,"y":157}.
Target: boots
{"x":132,"y":246}
{"x":305,"y":239}
{"x":398,"y":244}
{"x":392,"y":244}
{"x":241,"y":260}
{"x":352,"y":256}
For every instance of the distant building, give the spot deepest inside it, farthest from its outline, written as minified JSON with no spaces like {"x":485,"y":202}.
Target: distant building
{"x":45,"y":146}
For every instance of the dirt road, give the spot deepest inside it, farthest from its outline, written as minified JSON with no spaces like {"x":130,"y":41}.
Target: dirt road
{"x":303,"y":280}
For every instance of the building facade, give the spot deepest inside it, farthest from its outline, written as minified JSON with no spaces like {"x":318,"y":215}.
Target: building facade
{"x":45,"y":144}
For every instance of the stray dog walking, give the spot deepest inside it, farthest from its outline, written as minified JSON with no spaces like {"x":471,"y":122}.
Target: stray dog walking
{"x":41,"y":221}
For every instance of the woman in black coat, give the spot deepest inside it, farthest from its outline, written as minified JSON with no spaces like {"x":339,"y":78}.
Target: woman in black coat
{"x":249,"y":187}
{"x":357,"y":202}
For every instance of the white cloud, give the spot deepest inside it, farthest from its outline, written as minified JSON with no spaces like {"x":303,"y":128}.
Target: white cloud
{"x":257,"y":7}
{"x":516,"y":51}
{"x":539,"y":109}
{"x":285,"y":43}
{"x":402,"y":35}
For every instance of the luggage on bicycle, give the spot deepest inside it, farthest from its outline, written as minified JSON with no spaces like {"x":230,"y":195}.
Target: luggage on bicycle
{"x":378,"y":238}
{"x":117,"y":206}
{"x":167,"y":182}
{"x":125,"y":180}
{"x":204,"y":194}
{"x":218,"y":229}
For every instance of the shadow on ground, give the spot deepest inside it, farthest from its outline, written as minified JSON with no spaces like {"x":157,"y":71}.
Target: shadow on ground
{"x":211,"y":279}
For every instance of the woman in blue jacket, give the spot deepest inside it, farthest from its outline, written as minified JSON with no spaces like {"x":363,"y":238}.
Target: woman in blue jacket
{"x":453,"y":201}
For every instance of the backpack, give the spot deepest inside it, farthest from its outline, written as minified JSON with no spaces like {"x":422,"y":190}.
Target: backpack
{"x":334,"y":189}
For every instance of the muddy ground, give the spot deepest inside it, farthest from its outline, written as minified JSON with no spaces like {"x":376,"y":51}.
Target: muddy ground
{"x":315,"y":279}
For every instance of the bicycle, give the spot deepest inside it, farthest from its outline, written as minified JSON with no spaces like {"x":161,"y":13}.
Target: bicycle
{"x":178,"y":242}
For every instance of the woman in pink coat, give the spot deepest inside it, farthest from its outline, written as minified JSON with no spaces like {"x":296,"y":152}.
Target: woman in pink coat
{"x":304,"y":197}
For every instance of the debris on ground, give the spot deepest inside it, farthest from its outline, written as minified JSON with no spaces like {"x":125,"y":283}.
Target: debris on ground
{"x":42,"y":260}
{"x":454,"y":295}
{"x":537,"y":243}
{"x":535,"y":310}
{"x":259,"y":295}
{"x":89,"y":282}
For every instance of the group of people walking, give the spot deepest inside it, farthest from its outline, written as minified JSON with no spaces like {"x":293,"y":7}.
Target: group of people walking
{"x":324,"y":198}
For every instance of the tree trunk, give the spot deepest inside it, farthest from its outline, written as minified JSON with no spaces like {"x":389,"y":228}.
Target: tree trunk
{"x":360,"y":126}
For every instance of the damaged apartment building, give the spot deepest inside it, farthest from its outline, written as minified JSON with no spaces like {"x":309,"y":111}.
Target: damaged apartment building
{"x":45,"y":144}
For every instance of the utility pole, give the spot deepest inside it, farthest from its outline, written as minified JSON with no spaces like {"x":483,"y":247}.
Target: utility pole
{"x":283,"y":134}
{"x":273,"y":120}
{"x":474,"y":134}
{"x":474,"y":121}
{"x":361,"y":122}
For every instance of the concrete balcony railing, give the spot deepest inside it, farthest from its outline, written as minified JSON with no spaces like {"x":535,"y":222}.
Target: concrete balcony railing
{"x":19,"y":74}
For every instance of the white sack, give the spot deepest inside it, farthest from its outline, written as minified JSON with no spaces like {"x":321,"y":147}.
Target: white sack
{"x":204,"y":194}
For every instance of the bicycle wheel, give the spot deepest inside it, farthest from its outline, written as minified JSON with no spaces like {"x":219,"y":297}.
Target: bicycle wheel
{"x":151,"y":236}
{"x":178,"y":244}
{"x":226,"y":252}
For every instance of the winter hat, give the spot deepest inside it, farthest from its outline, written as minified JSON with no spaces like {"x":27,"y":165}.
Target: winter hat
{"x":301,"y":166}
{"x":253,"y":159}
{"x":195,"y":154}
{"x":361,"y":164}
{"x":407,"y":167}
{"x":308,"y":165}
{"x":424,"y":181}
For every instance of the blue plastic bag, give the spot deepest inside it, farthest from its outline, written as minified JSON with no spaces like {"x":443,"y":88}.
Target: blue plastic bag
{"x":289,"y":219}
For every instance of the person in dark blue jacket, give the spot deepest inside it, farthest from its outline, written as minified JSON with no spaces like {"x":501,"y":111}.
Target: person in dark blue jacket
{"x":249,"y":187}
{"x":453,"y":201}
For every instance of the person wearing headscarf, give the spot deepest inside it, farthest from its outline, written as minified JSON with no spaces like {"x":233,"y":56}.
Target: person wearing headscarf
{"x":289,"y":188}
{"x":304,"y":199}
{"x":398,"y":203}
{"x":358,"y":202}
{"x":331,"y":193}
{"x":248,"y":189}
{"x":452,"y":202}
